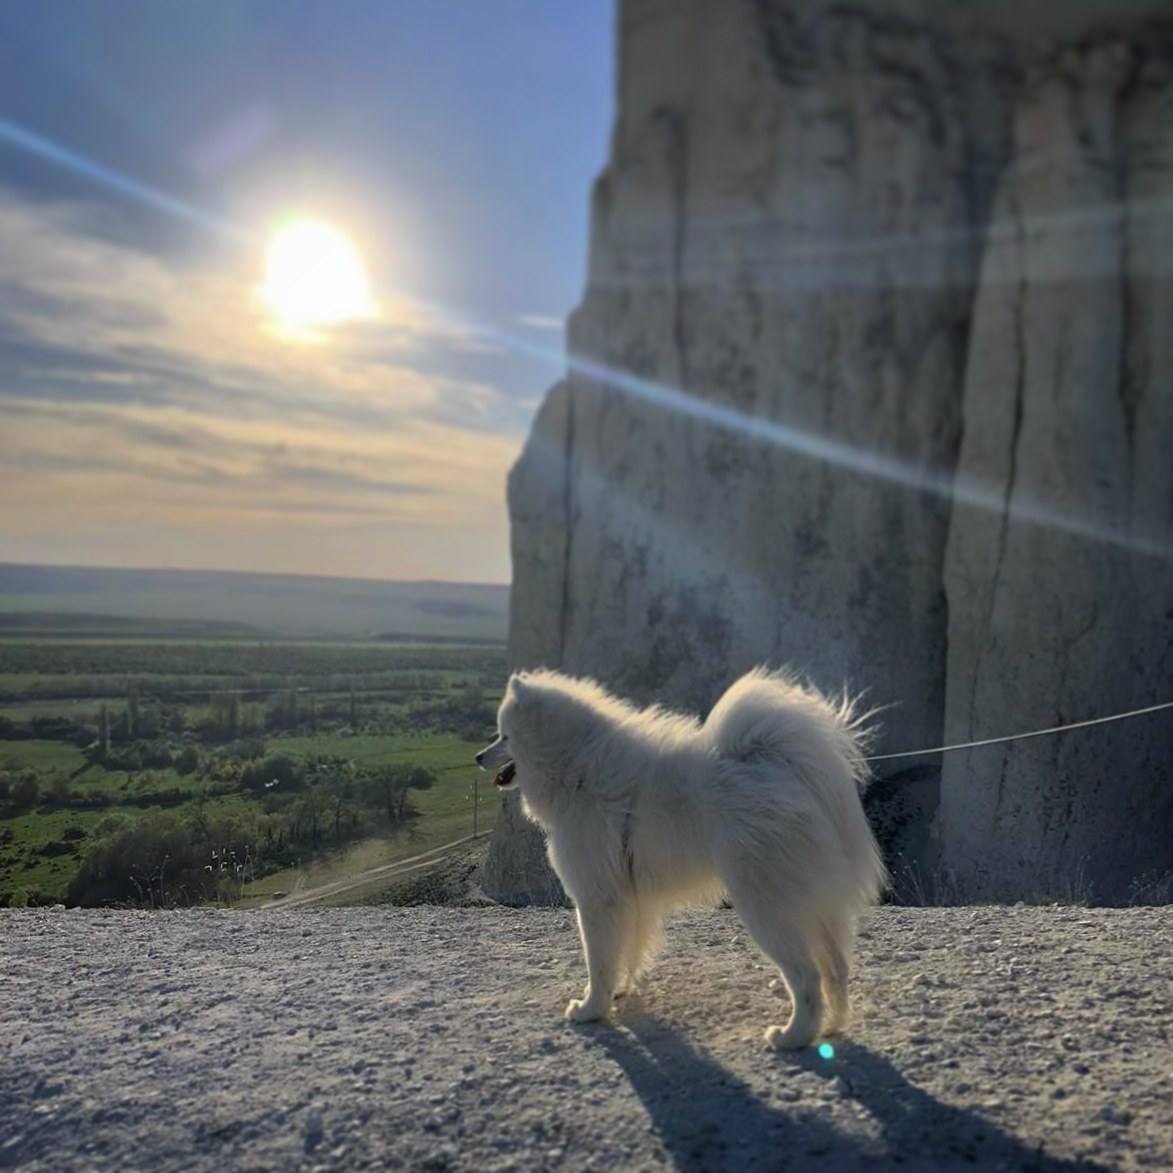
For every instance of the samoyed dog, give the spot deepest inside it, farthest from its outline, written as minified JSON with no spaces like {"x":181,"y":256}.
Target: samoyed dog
{"x":647,"y":811}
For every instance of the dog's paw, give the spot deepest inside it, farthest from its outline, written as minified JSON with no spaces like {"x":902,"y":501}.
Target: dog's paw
{"x":788,"y":1038}
{"x":580,"y":1010}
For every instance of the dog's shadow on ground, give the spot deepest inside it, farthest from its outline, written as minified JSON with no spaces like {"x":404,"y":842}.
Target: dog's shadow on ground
{"x":709,"y":1119}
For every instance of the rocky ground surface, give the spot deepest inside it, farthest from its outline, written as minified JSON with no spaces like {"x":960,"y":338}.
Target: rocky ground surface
{"x":429,"y":1038}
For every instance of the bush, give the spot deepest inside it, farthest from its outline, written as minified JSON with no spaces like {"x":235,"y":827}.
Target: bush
{"x":59,"y":792}
{"x":247,"y":749}
{"x":277,"y":769}
{"x":188,"y":762}
{"x":125,"y":757}
{"x":57,"y":847}
{"x":55,"y":728}
{"x":11,"y":730}
{"x":25,"y":790}
{"x":156,"y":756}
{"x":164,"y":858}
{"x":93,"y":797}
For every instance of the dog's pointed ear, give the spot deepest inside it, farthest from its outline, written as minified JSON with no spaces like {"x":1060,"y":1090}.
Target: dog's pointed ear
{"x":523,"y":692}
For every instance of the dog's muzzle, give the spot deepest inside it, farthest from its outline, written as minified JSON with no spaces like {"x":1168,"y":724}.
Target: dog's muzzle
{"x":496,"y":755}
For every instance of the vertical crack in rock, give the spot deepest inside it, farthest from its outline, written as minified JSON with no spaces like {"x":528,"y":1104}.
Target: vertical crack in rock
{"x":1019,"y":336}
{"x":568,"y":511}
{"x":678,"y":175}
{"x":1019,"y":396}
{"x":1127,"y":387}
{"x":1020,"y":350}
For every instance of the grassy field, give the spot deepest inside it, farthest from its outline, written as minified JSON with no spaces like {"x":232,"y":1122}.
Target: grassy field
{"x":362,"y":707}
{"x":49,"y":755}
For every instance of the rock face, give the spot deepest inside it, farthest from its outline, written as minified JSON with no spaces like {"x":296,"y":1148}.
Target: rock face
{"x":1061,"y":602}
{"x":837,"y":257}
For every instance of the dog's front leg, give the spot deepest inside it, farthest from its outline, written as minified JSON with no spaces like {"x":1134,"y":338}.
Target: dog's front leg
{"x":602,"y":928}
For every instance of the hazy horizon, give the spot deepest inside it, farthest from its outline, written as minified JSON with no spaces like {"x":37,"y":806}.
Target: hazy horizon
{"x":174,"y":397}
{"x":10,"y":563}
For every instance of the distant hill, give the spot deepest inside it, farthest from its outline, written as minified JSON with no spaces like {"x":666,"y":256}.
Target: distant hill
{"x":210,"y":604}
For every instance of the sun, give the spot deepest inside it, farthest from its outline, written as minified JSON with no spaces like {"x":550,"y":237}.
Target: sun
{"x":314,"y":278}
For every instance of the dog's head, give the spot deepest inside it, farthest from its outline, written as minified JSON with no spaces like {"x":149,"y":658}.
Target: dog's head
{"x":533,"y":738}
{"x":501,"y":755}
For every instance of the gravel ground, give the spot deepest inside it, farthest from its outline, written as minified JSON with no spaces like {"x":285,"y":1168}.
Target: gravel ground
{"x":431,"y":1038}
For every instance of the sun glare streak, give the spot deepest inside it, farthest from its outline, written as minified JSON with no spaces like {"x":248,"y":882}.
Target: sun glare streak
{"x":314,"y":279}
{"x":34,"y":144}
{"x":937,"y":482}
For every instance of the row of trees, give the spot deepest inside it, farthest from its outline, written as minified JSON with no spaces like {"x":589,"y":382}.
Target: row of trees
{"x":232,"y":716}
{"x":24,"y":788}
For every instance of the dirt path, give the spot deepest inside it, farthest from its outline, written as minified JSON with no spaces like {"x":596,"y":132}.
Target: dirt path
{"x":431,"y":1039}
{"x":302,"y":897}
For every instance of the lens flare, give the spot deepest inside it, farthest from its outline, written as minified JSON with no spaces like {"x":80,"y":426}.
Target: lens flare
{"x":314,"y":278}
{"x":826,"y":1051}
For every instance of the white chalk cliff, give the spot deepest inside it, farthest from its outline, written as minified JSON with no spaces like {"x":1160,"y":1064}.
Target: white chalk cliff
{"x":843,"y":258}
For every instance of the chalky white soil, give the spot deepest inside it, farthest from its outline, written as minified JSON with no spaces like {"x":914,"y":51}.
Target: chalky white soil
{"x":420,"y":1038}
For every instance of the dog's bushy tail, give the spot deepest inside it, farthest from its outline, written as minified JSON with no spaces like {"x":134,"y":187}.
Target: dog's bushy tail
{"x":770,"y":714}
{"x":770,"y":723}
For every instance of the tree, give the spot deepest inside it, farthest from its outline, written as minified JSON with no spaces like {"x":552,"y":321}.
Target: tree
{"x":340,"y":794}
{"x":188,"y":761}
{"x":309,"y":811}
{"x":228,"y":716}
{"x":386,"y":788}
{"x":26,"y":789}
{"x":132,"y":712}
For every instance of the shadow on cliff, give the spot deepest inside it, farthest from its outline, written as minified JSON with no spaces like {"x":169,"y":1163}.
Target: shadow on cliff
{"x":709,"y":1119}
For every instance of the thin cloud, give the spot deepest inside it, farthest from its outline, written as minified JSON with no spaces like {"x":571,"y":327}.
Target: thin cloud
{"x":73,"y":295}
{"x":542,"y":322}
{"x":138,"y":393}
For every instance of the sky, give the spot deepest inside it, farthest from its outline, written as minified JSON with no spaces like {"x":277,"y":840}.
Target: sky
{"x":156,"y":409}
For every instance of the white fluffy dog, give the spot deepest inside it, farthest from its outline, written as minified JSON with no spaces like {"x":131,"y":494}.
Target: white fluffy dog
{"x":647,"y":811}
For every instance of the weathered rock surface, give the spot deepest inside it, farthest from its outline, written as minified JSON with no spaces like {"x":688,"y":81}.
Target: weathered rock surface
{"x":994,"y":1038}
{"x":776,"y":371}
{"x":1061,"y":600}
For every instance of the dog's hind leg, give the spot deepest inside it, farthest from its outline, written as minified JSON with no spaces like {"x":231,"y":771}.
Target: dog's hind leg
{"x":639,"y":942}
{"x":834,"y":966}
{"x":604,"y":929}
{"x":786,"y":943}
